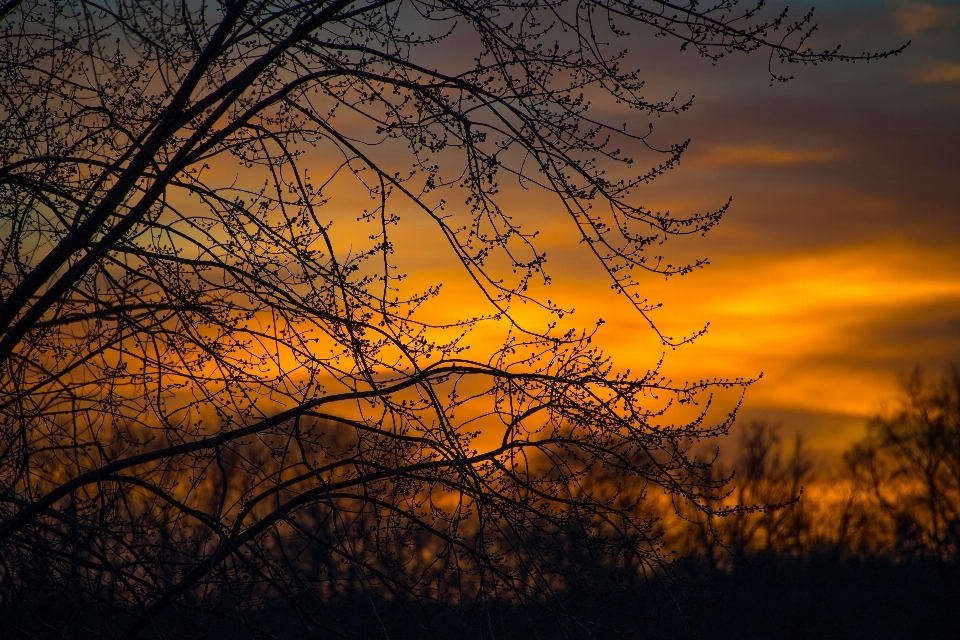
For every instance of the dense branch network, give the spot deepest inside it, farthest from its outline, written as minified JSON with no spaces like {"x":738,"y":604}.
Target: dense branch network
{"x":215,"y":383}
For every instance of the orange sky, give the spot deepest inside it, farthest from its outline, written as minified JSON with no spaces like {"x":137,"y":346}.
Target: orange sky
{"x":838,"y":266}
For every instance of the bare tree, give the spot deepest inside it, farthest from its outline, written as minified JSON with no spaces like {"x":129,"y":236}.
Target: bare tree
{"x":761,"y":512}
{"x":909,"y":466}
{"x":769,"y":479}
{"x":212,"y":398}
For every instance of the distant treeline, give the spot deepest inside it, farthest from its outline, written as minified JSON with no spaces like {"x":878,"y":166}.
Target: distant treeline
{"x":867,"y":548}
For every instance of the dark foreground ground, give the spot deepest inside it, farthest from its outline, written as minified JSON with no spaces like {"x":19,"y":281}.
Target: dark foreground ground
{"x":822,"y":598}
{"x":763,"y":598}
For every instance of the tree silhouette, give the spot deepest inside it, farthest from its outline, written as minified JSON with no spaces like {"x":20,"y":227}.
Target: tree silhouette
{"x":212,"y":399}
{"x":909,"y":466}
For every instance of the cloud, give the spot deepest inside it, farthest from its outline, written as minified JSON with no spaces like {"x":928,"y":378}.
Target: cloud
{"x":829,"y":329}
{"x":944,"y":73}
{"x":916,"y":18}
{"x":760,"y":155}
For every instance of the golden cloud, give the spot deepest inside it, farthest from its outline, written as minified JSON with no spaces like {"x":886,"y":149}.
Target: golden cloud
{"x":810,"y":322}
{"x":817,"y":324}
{"x":915,"y":18}
{"x":941,"y":74}
{"x":723,"y":155}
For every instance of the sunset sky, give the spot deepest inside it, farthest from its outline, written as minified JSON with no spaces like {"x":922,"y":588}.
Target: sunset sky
{"x":838,"y":265}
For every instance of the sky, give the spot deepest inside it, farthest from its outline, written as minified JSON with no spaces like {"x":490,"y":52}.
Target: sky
{"x":838,"y":265}
{"x":837,"y":268}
